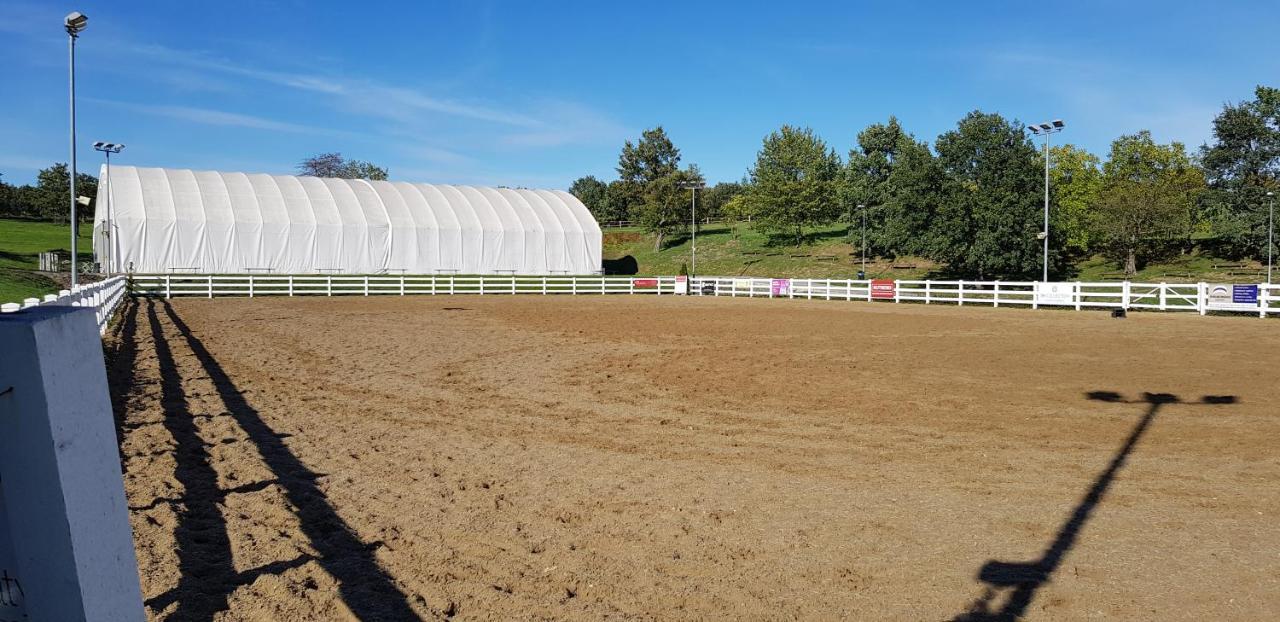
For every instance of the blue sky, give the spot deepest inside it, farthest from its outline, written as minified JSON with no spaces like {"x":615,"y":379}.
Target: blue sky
{"x":539,"y":93}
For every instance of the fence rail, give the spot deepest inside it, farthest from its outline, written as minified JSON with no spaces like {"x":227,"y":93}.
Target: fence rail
{"x":102,"y":296}
{"x":1192,"y":297}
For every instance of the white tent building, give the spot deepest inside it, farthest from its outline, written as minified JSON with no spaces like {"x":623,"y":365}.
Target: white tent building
{"x":178,"y":220}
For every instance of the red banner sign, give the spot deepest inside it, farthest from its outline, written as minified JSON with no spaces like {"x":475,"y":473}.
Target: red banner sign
{"x":644,"y":282}
{"x":882,"y":289}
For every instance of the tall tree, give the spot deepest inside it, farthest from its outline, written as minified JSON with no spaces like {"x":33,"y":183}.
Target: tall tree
{"x":594,"y":194}
{"x":1241,"y":165}
{"x":899,"y":182}
{"x":334,"y":165}
{"x":793,"y":183}
{"x":1075,"y":180}
{"x":1149,"y":193}
{"x":666,"y":205}
{"x":988,"y":223}
{"x":641,"y":163}
{"x":51,"y":197}
{"x":711,"y":202}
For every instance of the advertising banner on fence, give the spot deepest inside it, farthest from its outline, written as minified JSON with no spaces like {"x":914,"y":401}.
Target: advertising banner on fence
{"x":1055,"y":293}
{"x":1232,"y":297}
{"x":742,"y":285}
{"x":883,"y":289}
{"x":682,"y":285}
{"x":645,"y":283}
{"x":781,"y":287}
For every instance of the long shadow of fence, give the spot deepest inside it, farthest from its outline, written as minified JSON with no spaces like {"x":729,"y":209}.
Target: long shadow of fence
{"x":1021,"y":580}
{"x":208,"y":576}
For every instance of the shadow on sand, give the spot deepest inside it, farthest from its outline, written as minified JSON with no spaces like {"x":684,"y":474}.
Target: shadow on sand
{"x":1021,"y":580}
{"x":208,"y":576}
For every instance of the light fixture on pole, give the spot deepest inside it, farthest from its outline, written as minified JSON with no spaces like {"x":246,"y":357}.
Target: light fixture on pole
{"x":863,"y":208}
{"x":1271,"y":231}
{"x":693,"y":187}
{"x":107,"y":149}
{"x":1045,"y":129}
{"x":74,"y":22}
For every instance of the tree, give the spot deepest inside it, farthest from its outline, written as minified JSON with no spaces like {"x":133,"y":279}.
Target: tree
{"x":1075,"y":180}
{"x":666,"y":205}
{"x":1149,"y":193}
{"x":1241,"y":165}
{"x":622,"y":199}
{"x":50,"y":199}
{"x":793,"y":183}
{"x":992,"y":211}
{"x":711,"y":202}
{"x":651,"y":158}
{"x":594,"y":194}
{"x":334,"y":165}
{"x":899,"y":182}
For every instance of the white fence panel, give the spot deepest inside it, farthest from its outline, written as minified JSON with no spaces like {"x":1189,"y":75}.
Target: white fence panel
{"x":103,"y":296}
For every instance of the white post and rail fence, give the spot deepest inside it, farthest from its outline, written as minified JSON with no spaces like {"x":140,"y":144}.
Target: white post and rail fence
{"x":1202,"y":298}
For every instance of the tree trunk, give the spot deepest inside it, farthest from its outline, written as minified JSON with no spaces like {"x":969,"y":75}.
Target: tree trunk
{"x":1130,"y":263}
{"x":657,"y":242}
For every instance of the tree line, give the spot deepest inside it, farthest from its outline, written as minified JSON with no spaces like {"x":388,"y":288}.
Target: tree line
{"x":973,"y":200}
{"x":50,"y":197}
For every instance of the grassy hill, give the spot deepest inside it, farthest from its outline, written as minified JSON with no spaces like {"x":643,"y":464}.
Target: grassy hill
{"x":21,"y":243}
{"x":724,"y":250}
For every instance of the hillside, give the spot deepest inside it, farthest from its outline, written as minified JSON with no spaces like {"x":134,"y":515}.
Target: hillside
{"x":21,"y":242}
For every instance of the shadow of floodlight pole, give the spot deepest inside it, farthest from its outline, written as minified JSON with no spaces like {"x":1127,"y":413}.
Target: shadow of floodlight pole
{"x":1025,"y":578}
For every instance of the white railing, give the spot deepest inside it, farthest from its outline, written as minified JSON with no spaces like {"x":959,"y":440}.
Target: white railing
{"x":170,"y":285}
{"x":102,"y":296}
{"x":1077,"y":295}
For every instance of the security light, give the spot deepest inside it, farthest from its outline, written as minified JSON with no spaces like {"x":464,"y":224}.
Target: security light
{"x":1058,"y":123}
{"x":1046,"y":127}
{"x":75,"y":22}
{"x":83,"y":200}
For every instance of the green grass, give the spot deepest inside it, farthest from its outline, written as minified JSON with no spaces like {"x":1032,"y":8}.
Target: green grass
{"x":724,"y":250}
{"x":21,"y":243}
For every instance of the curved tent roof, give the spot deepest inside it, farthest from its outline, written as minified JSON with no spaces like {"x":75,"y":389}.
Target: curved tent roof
{"x":178,"y":220}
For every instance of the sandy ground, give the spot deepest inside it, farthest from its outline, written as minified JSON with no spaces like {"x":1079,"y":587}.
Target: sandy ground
{"x":668,"y":458}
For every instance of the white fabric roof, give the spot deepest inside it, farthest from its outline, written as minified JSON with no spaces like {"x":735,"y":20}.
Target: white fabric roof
{"x":211,"y":222}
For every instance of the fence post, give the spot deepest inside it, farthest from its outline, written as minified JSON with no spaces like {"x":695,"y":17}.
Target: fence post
{"x":167,"y":291}
{"x":1124,"y":293}
{"x":251,"y":286}
{"x":960,"y":292}
{"x":573,"y":285}
{"x":1202,"y":299}
{"x":897,"y":289}
{"x":1077,"y":292}
{"x":1163,"y":295}
{"x":401,"y":283}
{"x":928,"y":291}
{"x":544,"y":285}
{"x":995,"y":296}
{"x":210,"y":277}
{"x":290,"y":285}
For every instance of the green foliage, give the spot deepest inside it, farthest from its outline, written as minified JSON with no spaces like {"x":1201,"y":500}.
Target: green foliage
{"x":594,"y":194}
{"x":1075,"y":180}
{"x":711,"y":201}
{"x":50,"y":198}
{"x":1150,"y":193}
{"x":793,"y":183}
{"x":899,"y":181}
{"x":651,"y":158}
{"x":334,"y":165}
{"x":666,"y":207}
{"x":1242,"y":165}
{"x":992,"y":211}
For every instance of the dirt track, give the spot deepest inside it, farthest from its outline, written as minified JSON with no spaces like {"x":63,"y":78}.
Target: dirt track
{"x":639,"y":458}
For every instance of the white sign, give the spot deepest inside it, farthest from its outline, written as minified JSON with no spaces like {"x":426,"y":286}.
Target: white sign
{"x":682,"y":285}
{"x":1055,"y":293}
{"x":1227,"y":297}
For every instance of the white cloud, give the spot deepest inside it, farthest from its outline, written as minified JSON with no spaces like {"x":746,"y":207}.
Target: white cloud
{"x":208,"y":116}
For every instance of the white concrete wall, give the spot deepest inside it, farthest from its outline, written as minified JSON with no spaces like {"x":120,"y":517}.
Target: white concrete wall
{"x":64,"y":528}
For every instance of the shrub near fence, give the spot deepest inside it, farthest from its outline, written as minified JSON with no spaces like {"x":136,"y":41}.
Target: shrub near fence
{"x":1078,"y":295}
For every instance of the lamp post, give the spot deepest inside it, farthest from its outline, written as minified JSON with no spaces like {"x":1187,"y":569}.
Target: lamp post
{"x":863,"y":208}
{"x":107,"y":149}
{"x":693,"y":187}
{"x":1045,"y":129}
{"x":1271,"y":231}
{"x":74,"y":23}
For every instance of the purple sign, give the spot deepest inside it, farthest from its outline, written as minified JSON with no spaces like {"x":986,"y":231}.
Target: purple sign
{"x":781,"y":287}
{"x":1244,"y":294}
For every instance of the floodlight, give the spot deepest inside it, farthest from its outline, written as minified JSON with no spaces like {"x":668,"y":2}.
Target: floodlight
{"x":1045,"y":126}
{"x":1058,"y":123}
{"x":83,"y":200}
{"x":1034,"y":129}
{"x":75,"y":22}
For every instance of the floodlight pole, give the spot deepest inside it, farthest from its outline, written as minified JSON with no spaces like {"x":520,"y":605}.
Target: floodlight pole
{"x":693,"y":187}
{"x":107,"y":149}
{"x":1045,"y":129}
{"x":72,"y":34}
{"x":863,"y":209}
{"x":1271,"y":232}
